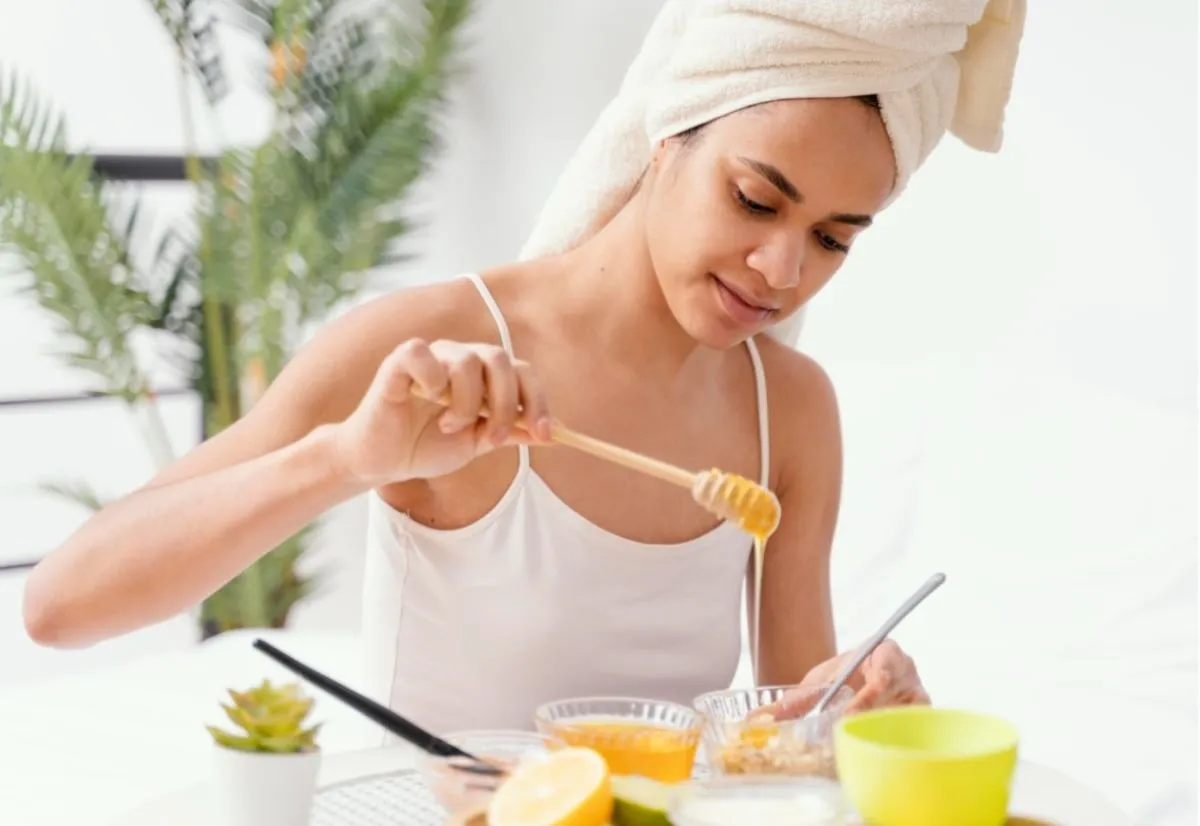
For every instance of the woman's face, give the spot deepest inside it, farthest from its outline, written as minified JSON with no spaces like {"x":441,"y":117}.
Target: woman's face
{"x":748,"y":219}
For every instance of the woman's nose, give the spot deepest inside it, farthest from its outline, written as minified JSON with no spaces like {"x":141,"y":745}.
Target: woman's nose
{"x":779,"y":260}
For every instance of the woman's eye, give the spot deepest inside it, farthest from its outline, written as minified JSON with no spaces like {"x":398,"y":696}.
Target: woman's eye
{"x":752,"y":206}
{"x":830,"y":243}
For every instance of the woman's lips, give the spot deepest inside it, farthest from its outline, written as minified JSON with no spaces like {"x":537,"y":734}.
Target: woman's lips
{"x":743,"y":312}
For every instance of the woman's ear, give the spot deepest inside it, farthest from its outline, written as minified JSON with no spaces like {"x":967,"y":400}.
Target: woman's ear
{"x":662,"y":155}
{"x":660,"y":149}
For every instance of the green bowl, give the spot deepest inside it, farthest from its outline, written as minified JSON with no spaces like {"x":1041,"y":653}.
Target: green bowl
{"x":925,"y":766}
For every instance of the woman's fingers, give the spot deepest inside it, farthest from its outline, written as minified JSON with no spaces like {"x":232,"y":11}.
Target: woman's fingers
{"x":487,"y":389}
{"x":535,"y":414}
{"x":413,"y":362}
{"x":465,"y":368}
{"x":503,"y":395}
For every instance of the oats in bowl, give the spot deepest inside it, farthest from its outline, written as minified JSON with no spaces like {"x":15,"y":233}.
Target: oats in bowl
{"x":763,"y":746}
{"x":742,"y":737}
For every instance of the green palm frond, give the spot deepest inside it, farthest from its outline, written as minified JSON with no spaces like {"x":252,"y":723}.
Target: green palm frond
{"x":389,"y":117}
{"x":55,"y":223}
{"x":273,"y":19}
{"x":280,"y":233}
{"x":26,"y":121}
{"x":173,"y":14}
{"x":375,"y":140}
{"x":313,"y":48}
{"x":190,"y":24}
{"x":295,"y":225}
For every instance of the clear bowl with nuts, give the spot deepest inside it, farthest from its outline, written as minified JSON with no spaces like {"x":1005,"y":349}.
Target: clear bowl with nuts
{"x":742,"y":736}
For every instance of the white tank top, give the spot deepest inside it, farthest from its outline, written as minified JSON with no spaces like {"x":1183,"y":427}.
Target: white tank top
{"x":474,"y":627}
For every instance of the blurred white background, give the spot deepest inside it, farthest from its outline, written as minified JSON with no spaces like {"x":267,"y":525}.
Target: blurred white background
{"x":1014,"y":345}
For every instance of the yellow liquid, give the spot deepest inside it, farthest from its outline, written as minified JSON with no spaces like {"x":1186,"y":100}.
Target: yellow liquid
{"x":760,"y":550}
{"x":757,"y":512}
{"x":657,"y":752}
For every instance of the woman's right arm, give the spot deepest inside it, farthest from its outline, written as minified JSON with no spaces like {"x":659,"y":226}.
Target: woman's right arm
{"x":337,"y":422}
{"x":155,"y":552}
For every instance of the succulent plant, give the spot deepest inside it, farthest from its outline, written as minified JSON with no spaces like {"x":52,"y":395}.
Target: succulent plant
{"x":271,"y":719}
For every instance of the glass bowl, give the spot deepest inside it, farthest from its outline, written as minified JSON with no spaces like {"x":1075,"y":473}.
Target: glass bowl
{"x":651,"y":738}
{"x":736,"y":801}
{"x":735,"y":742}
{"x":458,"y":790}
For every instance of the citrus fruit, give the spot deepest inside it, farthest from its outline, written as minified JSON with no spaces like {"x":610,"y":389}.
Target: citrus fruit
{"x":640,"y":801}
{"x":570,"y":787}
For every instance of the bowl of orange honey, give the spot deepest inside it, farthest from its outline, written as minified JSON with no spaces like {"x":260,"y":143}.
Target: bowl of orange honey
{"x":651,"y":738}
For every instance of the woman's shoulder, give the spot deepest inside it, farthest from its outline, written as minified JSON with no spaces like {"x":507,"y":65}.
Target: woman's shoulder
{"x":795,"y":378}
{"x":330,"y":373}
{"x":800,"y":389}
{"x":450,"y":308}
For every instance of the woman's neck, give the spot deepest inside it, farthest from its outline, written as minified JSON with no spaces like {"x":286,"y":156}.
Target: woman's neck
{"x":610,"y":288}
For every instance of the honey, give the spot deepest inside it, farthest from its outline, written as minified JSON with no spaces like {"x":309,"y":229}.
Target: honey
{"x":636,"y":748}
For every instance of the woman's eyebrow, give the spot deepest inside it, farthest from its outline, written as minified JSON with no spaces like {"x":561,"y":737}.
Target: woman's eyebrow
{"x":775,"y":178}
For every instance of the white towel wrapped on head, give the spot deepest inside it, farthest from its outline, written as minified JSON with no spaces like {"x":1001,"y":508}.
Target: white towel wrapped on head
{"x":936,"y":65}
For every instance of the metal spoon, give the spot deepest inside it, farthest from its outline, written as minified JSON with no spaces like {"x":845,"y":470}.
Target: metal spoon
{"x":864,"y":651}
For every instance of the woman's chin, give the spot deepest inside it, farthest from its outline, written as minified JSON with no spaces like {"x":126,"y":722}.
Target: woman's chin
{"x":714,"y":333}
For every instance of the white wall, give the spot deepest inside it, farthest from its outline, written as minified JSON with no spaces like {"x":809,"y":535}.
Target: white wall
{"x":1014,"y":344}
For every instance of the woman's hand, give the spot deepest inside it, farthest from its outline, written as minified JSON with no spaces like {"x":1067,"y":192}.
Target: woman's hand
{"x":888,"y":678}
{"x":393,"y":437}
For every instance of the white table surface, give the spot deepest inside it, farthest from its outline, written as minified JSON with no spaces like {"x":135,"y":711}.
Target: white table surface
{"x":86,"y":748}
{"x":1038,"y":792}
{"x":127,"y":746}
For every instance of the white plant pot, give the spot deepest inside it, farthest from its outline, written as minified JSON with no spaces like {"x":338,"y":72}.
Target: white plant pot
{"x":264,"y":789}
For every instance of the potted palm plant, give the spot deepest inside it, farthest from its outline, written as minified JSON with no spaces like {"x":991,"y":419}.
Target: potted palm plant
{"x":280,"y":233}
{"x":266,"y":773}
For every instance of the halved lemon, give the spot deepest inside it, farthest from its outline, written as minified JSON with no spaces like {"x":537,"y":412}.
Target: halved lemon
{"x":570,"y":787}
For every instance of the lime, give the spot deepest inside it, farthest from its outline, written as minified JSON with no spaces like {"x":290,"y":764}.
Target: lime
{"x":640,"y":801}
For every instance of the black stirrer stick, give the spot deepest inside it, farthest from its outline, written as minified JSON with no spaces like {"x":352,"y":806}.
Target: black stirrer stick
{"x":384,"y":716}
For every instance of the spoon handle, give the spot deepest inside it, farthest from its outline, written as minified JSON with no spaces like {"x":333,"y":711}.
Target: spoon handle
{"x":864,"y":651}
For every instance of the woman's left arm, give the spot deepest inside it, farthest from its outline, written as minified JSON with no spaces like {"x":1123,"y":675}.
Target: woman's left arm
{"x":797,"y":614}
{"x":798,"y":638}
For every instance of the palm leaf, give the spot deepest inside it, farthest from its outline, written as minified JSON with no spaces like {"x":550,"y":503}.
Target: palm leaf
{"x":55,"y":226}
{"x":295,"y":225}
{"x":190,"y":24}
{"x":281,"y":232}
{"x":373,"y":140}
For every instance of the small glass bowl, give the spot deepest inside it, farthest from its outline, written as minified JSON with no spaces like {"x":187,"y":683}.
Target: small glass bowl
{"x":736,"y":801}
{"x":652,"y":738}
{"x":737,"y":744}
{"x":457,"y":790}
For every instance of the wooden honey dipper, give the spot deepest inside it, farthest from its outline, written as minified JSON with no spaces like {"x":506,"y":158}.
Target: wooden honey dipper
{"x":727,"y":495}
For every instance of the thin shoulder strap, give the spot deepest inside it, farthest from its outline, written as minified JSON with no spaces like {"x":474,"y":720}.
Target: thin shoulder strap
{"x":505,"y":338}
{"x":494,"y":309}
{"x":764,"y":416}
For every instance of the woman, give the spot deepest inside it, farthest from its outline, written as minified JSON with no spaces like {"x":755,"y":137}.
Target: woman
{"x":501,"y":571}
